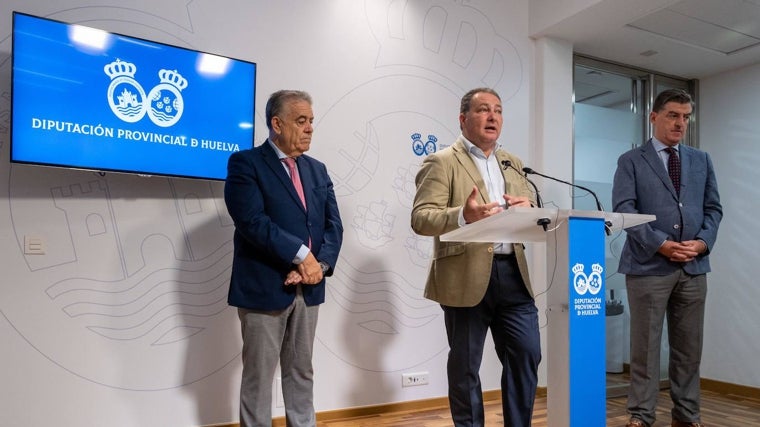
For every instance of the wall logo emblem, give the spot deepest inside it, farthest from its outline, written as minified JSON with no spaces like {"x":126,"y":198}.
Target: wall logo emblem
{"x":591,"y":283}
{"x":164,"y":104}
{"x":424,"y":147}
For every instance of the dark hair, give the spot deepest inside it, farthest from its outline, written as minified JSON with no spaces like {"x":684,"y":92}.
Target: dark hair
{"x":277,"y":102}
{"x":467,"y":98}
{"x":671,"y":95}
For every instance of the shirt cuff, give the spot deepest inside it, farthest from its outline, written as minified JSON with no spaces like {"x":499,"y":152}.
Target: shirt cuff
{"x":301,"y":255}
{"x":461,"y":220}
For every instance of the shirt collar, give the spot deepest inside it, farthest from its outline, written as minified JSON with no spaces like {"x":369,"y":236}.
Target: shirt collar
{"x":659,"y":146}
{"x":280,"y":154}
{"x":475,"y":150}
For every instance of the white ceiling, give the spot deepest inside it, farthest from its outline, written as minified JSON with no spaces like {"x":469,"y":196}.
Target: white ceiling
{"x":686,"y":38}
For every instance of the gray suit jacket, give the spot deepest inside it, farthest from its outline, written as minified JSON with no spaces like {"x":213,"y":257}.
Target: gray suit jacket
{"x":459,"y":272}
{"x":642,"y":185}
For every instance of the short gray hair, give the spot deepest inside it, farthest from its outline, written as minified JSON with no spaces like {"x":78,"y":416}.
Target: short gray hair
{"x":279,"y":99}
{"x":671,"y":95}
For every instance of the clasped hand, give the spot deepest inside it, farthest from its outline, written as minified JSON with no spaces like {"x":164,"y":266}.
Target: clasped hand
{"x":472,"y":211}
{"x":308,"y":272}
{"x":682,"y":251}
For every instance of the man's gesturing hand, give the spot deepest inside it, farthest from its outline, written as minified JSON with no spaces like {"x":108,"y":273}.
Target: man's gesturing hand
{"x":474,"y":212}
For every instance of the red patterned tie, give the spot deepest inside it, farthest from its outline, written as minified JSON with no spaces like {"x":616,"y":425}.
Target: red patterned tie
{"x":674,"y":168}
{"x":291,"y":163}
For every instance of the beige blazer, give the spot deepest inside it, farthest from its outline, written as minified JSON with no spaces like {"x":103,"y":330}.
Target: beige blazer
{"x":459,"y":272}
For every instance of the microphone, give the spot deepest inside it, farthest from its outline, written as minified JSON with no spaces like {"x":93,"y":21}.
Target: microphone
{"x":543,"y":222}
{"x":507,"y":164}
{"x":607,"y":224}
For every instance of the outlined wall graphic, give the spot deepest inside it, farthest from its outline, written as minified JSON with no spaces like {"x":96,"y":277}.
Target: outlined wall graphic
{"x":425,"y":50}
{"x":141,"y":266}
{"x":130,"y":295}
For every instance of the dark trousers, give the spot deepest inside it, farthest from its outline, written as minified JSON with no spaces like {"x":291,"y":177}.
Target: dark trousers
{"x":508,"y":310}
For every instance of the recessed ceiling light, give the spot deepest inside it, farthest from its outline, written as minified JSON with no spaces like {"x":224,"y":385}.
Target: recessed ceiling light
{"x":649,"y":52}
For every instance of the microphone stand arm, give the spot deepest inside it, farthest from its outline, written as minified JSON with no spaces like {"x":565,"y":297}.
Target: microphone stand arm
{"x":596,"y":199}
{"x":508,"y":164}
{"x":543,"y":222}
{"x":607,"y":224}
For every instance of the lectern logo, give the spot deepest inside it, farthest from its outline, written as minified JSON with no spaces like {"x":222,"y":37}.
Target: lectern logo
{"x":591,"y":283}
{"x":164,"y":104}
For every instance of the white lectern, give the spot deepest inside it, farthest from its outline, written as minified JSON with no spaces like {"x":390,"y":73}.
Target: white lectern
{"x":575,"y":299}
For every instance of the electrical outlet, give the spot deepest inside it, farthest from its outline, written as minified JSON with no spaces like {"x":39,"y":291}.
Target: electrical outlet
{"x":414,"y":379}
{"x":34,"y":245}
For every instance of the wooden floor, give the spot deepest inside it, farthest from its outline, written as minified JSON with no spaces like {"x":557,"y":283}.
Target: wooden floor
{"x":717,"y":411}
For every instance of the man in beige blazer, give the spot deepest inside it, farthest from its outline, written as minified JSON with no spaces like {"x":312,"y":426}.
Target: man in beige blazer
{"x":480,"y":286}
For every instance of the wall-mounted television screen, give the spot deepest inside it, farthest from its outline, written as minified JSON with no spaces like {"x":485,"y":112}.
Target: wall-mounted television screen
{"x":91,"y":99}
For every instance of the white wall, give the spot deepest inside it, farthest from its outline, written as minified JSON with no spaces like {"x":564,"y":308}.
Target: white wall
{"x":379,"y":71}
{"x":730,"y":131}
{"x":546,"y":13}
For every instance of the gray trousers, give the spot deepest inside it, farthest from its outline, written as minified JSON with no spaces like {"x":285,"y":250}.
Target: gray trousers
{"x":286,"y":336}
{"x":682,"y":298}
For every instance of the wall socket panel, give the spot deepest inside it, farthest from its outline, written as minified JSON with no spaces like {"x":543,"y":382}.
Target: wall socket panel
{"x":34,"y":245}
{"x":414,"y":379}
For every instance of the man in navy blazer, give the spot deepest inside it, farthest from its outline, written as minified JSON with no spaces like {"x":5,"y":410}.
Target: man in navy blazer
{"x":665,"y":261}
{"x":284,"y":248}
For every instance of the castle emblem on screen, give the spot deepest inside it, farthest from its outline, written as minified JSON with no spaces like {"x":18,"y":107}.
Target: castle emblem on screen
{"x":591,"y":283}
{"x":126,"y":97}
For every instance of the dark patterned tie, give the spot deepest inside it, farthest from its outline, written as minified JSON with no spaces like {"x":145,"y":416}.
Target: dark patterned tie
{"x":674,"y":168}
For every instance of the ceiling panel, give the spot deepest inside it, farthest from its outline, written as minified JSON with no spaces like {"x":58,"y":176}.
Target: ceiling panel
{"x":686,"y":38}
{"x":696,"y":32}
{"x":742,"y":16}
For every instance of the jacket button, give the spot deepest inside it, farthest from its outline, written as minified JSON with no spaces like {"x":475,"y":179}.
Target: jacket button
{"x":490,"y":249}
{"x":677,"y":226}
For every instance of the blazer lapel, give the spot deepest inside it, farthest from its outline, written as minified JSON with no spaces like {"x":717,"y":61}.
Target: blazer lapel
{"x":463,"y":157}
{"x":686,"y":162}
{"x":274,"y":163}
{"x":653,"y":159}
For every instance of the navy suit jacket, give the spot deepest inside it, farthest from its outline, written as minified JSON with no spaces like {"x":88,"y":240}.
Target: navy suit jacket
{"x":271,"y":224}
{"x":642,"y":185}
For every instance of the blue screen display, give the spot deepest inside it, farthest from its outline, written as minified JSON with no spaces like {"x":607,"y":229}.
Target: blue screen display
{"x":90,"y":99}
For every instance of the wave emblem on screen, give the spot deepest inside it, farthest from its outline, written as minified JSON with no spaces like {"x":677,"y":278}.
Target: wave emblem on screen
{"x":591,"y":283}
{"x":164,"y":104}
{"x":125,"y":95}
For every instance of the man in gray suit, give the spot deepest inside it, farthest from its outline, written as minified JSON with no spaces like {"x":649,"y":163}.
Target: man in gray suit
{"x":666,"y":261}
{"x":480,"y":286}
